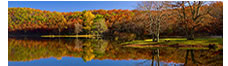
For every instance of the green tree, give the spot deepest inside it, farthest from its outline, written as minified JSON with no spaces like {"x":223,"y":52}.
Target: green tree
{"x":99,"y":25}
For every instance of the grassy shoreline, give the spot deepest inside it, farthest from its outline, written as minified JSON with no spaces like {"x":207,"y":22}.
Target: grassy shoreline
{"x":166,"y":42}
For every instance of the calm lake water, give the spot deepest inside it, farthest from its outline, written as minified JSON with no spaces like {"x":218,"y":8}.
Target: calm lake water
{"x":98,"y":52}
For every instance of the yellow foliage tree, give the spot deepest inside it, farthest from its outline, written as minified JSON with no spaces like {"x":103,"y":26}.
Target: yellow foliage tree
{"x":88,"y":20}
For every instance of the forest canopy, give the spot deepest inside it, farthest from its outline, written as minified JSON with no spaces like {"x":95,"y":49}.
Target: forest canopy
{"x":22,"y":21}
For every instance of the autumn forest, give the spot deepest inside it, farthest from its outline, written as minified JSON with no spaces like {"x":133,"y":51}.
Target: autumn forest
{"x":175,"y":19}
{"x":153,"y":33}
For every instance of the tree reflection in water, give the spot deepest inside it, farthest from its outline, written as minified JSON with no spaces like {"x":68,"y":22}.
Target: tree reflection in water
{"x":155,"y":53}
{"x":32,"y":49}
{"x":192,"y":57}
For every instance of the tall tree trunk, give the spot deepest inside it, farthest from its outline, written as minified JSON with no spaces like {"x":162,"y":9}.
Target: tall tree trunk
{"x":155,"y":31}
{"x":190,"y":35}
{"x":151,"y":27}
{"x":158,"y":32}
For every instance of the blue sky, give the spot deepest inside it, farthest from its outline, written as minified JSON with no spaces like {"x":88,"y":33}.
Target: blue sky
{"x":70,"y":6}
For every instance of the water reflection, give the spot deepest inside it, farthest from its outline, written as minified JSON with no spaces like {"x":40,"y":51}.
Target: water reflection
{"x":104,"y":51}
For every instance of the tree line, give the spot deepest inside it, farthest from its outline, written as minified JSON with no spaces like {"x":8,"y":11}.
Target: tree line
{"x":150,"y":18}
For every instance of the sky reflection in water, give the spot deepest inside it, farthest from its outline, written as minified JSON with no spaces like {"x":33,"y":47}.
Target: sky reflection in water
{"x":72,"y":61}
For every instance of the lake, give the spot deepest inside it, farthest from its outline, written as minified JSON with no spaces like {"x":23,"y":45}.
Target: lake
{"x":101,"y":52}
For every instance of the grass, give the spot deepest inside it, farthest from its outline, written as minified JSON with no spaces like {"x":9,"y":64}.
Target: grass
{"x":167,"y":39}
{"x":181,"y":41}
{"x":52,"y":36}
{"x":203,"y":41}
{"x":193,"y":48}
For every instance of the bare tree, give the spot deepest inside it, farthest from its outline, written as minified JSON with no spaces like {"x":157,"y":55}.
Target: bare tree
{"x":190,"y":14}
{"x":77,"y":28}
{"x":154,"y":10}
